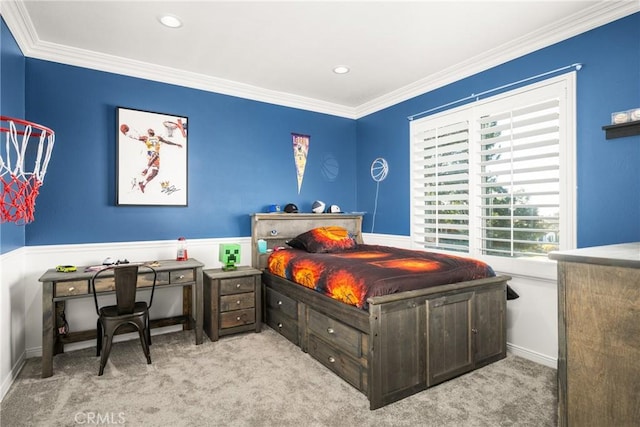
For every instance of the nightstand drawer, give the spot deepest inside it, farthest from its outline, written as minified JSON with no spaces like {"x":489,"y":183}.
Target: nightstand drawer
{"x":284,"y":325}
{"x":237,"y":285}
{"x":237,"y":301}
{"x":277,"y":301}
{"x":78,"y":287}
{"x":237,"y":318}
{"x":341,"y":336}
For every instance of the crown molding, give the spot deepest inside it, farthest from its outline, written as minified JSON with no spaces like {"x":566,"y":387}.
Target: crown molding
{"x":18,"y":21}
{"x":588,"y":19}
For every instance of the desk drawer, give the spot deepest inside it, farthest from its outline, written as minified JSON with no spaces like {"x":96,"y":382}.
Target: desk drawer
{"x":181,"y":276}
{"x":237,"y":285}
{"x":237,"y":301}
{"x":145,"y":279}
{"x":338,"y":334}
{"x":77,"y":287}
{"x":231,"y":319}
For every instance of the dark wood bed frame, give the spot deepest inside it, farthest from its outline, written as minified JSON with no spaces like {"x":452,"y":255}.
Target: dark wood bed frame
{"x":405,"y":342}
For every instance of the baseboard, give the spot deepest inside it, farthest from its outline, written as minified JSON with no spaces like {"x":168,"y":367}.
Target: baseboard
{"x":533,"y":356}
{"x":8,"y":381}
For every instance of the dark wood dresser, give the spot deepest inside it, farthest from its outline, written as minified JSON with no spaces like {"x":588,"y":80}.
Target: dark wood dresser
{"x":599,"y":336}
{"x":232,"y":301}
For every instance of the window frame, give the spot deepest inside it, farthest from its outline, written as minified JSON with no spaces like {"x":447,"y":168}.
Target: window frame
{"x":534,"y":267}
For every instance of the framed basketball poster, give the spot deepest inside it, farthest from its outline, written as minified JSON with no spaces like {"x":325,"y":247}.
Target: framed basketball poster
{"x":151,"y":158}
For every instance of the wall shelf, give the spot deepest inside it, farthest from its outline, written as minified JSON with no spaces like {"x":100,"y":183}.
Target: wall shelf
{"x":622,"y":130}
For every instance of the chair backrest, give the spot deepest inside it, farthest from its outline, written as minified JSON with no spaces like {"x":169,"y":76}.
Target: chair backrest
{"x":125,"y":280}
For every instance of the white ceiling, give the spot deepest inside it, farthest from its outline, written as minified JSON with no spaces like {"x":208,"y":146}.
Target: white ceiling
{"x":284,"y":52}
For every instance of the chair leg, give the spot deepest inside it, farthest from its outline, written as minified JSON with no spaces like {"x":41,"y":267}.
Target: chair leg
{"x":98,"y":338}
{"x":148,"y":332}
{"x":145,"y":346}
{"x":105,"y":353}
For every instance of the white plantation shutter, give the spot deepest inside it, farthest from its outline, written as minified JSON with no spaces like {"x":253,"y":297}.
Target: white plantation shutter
{"x":520,"y":179}
{"x":496,"y":177}
{"x":440,"y":170}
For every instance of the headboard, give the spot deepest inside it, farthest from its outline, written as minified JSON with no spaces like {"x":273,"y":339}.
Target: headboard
{"x":277,"y":228}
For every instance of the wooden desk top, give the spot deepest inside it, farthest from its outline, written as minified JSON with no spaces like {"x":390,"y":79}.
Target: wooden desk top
{"x":82,"y":273}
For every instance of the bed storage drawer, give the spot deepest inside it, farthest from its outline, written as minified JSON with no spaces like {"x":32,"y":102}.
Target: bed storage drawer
{"x":345,"y":366}
{"x":277,"y":301}
{"x":286,"y":326}
{"x":339,"y":335}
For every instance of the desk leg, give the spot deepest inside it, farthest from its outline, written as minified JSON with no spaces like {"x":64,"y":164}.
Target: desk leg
{"x":199,"y":306}
{"x":48,"y":332}
{"x":187,"y":308}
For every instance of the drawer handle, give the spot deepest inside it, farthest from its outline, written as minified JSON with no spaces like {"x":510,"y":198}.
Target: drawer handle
{"x":71,"y":289}
{"x":474,"y":330}
{"x":332,"y":359}
{"x":237,"y":285}
{"x":330,"y":331}
{"x":181,"y":276}
{"x":238,"y":302}
{"x":279,"y":302}
{"x":279,"y":325}
{"x":238,"y":318}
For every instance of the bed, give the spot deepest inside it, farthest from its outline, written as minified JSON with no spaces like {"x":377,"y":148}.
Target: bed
{"x":386,"y":345}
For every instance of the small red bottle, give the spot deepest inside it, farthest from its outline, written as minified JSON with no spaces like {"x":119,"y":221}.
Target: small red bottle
{"x":182,"y":250}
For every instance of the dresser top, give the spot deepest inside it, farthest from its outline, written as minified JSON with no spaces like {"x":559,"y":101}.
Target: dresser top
{"x":620,"y":255}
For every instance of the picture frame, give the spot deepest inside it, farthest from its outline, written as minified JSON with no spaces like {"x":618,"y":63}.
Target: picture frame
{"x":151,"y":158}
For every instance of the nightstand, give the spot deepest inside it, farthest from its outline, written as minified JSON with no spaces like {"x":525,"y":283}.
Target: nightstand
{"x":232,"y":301}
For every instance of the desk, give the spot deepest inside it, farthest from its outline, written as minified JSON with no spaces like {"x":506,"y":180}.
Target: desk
{"x":59,"y":287}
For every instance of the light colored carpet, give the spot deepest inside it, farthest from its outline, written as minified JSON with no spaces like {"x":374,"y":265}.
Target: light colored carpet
{"x":259,"y":380}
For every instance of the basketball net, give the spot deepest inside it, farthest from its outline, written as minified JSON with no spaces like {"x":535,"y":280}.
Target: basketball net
{"x":20,"y":187}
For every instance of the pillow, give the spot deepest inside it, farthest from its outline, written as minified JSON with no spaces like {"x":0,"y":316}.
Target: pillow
{"x":324,"y":239}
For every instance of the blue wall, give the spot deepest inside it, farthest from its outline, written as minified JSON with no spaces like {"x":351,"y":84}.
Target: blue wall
{"x":240,"y":158}
{"x":240,"y":155}
{"x":12,"y":104}
{"x":608,"y":171}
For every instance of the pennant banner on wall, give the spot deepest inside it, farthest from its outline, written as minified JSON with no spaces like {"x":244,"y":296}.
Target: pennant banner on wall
{"x":300,"y":152}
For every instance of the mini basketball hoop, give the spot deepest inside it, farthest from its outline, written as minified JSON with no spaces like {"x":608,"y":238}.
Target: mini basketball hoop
{"x":20,"y":187}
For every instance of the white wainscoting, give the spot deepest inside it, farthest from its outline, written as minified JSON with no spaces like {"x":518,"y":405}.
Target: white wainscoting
{"x":12,"y":318}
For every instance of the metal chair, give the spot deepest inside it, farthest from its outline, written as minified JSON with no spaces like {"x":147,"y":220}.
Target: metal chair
{"x":127,"y":310}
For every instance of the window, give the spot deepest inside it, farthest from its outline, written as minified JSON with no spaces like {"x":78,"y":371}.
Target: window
{"x":496,"y":178}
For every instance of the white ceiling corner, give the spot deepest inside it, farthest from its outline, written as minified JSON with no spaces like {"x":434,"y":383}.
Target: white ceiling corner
{"x":290,"y":77}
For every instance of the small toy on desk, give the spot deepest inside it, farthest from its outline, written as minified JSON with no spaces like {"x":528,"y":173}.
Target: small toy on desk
{"x":111,"y":261}
{"x":229,"y":255}
{"x":66,"y":268}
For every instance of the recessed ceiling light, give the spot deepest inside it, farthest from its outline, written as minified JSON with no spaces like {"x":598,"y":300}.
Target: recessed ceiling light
{"x":170,"y":21}
{"x":341,"y":69}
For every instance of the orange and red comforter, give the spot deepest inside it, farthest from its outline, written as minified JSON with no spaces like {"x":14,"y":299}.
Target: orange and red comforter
{"x":352,"y":276}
